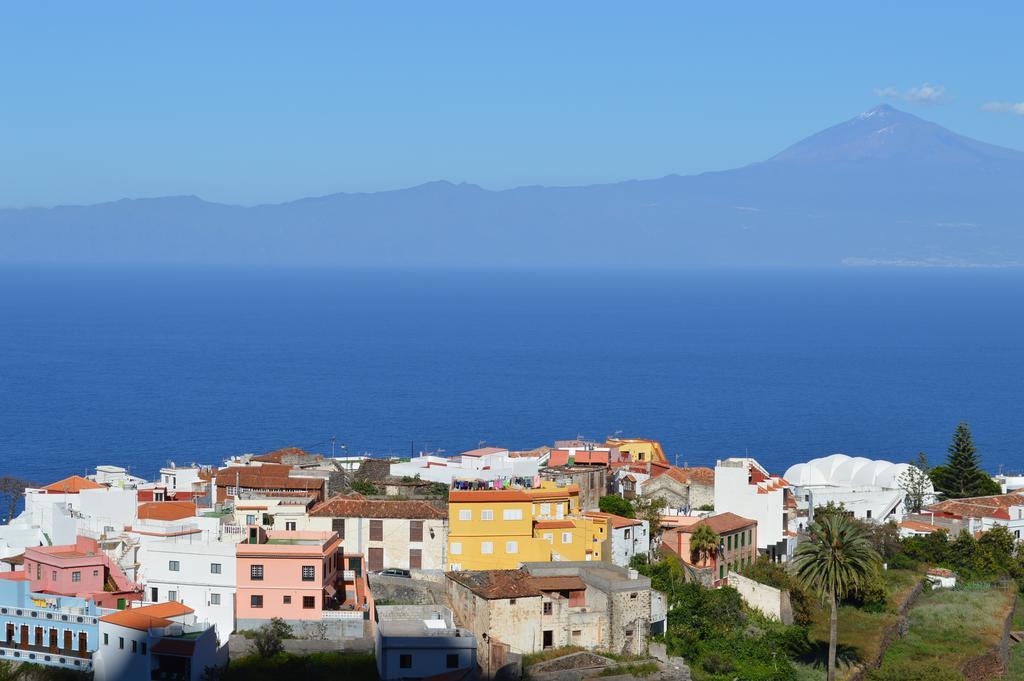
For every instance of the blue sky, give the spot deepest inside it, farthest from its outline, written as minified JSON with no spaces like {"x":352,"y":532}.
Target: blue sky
{"x":251,"y":102}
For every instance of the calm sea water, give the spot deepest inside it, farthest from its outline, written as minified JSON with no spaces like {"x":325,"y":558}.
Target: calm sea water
{"x":140,"y":366}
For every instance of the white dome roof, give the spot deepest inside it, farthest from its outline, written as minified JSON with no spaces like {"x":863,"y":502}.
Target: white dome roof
{"x":840,"y":470}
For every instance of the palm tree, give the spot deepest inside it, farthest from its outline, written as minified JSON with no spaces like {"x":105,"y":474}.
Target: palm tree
{"x":833,"y":560}
{"x":704,"y":543}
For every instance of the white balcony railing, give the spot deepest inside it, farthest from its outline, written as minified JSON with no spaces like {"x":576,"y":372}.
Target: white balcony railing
{"x":342,"y":615}
{"x":348,"y":575}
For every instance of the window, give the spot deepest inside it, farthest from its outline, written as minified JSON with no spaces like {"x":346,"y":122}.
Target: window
{"x":120,"y":642}
{"x":135,"y":646}
{"x":405,"y":661}
{"x":214,"y":599}
{"x":76,"y":576}
{"x":154,"y":594}
{"x":721,"y":572}
{"x":456,"y":548}
{"x":95,"y":573}
{"x":376,"y":530}
{"x":338,"y":525}
{"x":487,"y":514}
{"x":512,"y":514}
{"x":550,"y":537}
{"x":53,"y":575}
{"x":106,"y":639}
{"x":451,"y":661}
{"x":511,"y":547}
{"x":256,"y":601}
{"x":545,"y":509}
{"x":487,"y":547}
{"x":174,"y":566}
{"x":308,"y":602}
{"x":627,"y":533}
{"x":172,"y":595}
{"x":511,"y":601}
{"x":415,"y":530}
{"x":214,"y":568}
{"x":728,"y":542}
{"x":743,"y":538}
{"x":547,"y":608}
{"x":455,"y":567}
{"x":633,"y":595}
{"x":256,"y":573}
{"x":465,"y":514}
{"x":308,"y":573}
{"x":567,"y":537}
{"x":250,"y":519}
{"x":287,"y":600}
{"x":290,"y":526}
{"x":869,"y":514}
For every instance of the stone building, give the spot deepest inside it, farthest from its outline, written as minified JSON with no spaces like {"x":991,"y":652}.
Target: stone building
{"x":682,"y":488}
{"x":549,"y":605}
{"x":592,"y":481}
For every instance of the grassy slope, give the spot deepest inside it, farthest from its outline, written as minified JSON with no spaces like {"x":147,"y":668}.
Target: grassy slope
{"x":950,"y":627}
{"x":860,"y":632}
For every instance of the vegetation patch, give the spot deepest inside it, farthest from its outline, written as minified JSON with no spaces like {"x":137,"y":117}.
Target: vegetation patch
{"x":312,"y":667}
{"x":947,"y":628}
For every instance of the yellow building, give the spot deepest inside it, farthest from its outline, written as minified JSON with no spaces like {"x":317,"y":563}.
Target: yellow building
{"x":501,"y":529}
{"x":639,"y":449}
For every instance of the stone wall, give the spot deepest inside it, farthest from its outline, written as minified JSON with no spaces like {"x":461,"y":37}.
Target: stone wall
{"x":993,"y":664}
{"x":773,"y":602}
{"x":893,"y":632}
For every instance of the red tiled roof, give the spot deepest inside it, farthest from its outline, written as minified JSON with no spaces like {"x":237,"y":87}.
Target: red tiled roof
{"x":699,"y":475}
{"x":996,"y":506}
{"x":357,"y":506}
{"x":167,"y":510}
{"x":723,"y":523}
{"x":148,"y":616}
{"x":268,"y":476}
{"x":72,"y":485}
{"x":492,"y":584}
{"x":916,"y":526}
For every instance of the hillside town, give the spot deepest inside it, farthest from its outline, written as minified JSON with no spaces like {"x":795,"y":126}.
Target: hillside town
{"x":467,"y":566}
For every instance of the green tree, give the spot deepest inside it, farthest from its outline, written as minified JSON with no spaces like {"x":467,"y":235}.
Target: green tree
{"x":834,"y":560}
{"x":961,"y":476}
{"x":704,"y":543}
{"x":650,"y":510}
{"x":269,"y":639}
{"x":365,"y":488}
{"x":916,"y":483}
{"x":616,"y":505}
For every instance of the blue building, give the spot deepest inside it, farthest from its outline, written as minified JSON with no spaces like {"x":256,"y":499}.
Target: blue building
{"x":46,"y":629}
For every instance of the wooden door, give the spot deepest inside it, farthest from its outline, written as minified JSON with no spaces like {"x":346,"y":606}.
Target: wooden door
{"x":39,"y":636}
{"x":82,"y":650}
{"x":415,"y":559}
{"x":67,"y":641}
{"x":376,"y":559}
{"x":24,"y":636}
{"x":53,"y":640}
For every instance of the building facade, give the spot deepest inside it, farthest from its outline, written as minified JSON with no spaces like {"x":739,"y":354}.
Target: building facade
{"x":737,"y":548}
{"x":422,"y":642}
{"x":745,"y":488}
{"x":406,"y":534}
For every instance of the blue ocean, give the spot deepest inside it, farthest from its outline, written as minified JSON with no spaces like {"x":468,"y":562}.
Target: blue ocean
{"x":140,"y":366}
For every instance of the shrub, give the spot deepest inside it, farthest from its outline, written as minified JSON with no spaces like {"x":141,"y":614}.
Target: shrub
{"x":269,"y":638}
{"x":365,"y":488}
{"x":616,"y":505}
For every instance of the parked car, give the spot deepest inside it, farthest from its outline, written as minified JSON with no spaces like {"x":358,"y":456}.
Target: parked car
{"x":393,"y":572}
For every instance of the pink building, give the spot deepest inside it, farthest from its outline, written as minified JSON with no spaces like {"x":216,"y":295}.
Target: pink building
{"x":737,"y":548}
{"x":294,"y":575}
{"x":81,"y":570}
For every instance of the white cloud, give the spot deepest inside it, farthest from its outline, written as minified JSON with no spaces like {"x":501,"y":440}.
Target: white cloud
{"x":1004,"y":107}
{"x":922,"y":94}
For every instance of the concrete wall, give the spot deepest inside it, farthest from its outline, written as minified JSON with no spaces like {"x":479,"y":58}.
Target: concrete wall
{"x":623,"y":549}
{"x":771,"y":601}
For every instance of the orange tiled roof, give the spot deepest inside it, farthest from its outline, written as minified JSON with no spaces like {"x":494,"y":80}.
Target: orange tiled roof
{"x":167,"y":510}
{"x":617,"y":521}
{"x":268,"y":476}
{"x":277,"y":456}
{"x":72,"y":485}
{"x":916,"y":526}
{"x":554,"y":524}
{"x":358,"y":506}
{"x":700,"y":475}
{"x":996,"y":506}
{"x":148,"y":616}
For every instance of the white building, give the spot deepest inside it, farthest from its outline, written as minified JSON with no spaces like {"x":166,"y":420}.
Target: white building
{"x":162,"y":641}
{"x":198,"y":574}
{"x":179,"y":479}
{"x":744,"y":487}
{"x":870,"y":489}
{"x":487,"y":463}
{"x":627,"y":537}
{"x":419,"y":642}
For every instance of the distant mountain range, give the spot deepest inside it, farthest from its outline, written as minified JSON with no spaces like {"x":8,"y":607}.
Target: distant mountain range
{"x":885,"y":187}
